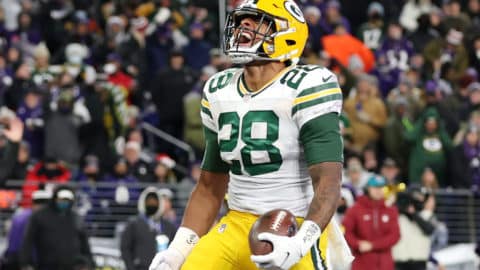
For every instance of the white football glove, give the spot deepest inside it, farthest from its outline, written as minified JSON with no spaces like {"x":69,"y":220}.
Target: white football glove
{"x":287,"y":251}
{"x":172,"y":258}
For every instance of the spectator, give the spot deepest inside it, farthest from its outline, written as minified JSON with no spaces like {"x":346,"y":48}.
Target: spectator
{"x":367,"y":113}
{"x":19,"y":222}
{"x":56,"y":234}
{"x":356,"y":176}
{"x":116,"y":75}
{"x":196,"y":52}
{"x":447,"y":50}
{"x":416,"y":212}
{"x":312,"y":16}
{"x":139,"y":240}
{"x":454,"y":17}
{"x":424,"y":33}
{"x":11,"y":129}
{"x":169,"y":103}
{"x":169,"y":213}
{"x":371,"y":32}
{"x":193,"y":129}
{"x":342,"y":46}
{"x":370,"y":159}
{"x":412,"y":10}
{"x":474,"y":52}
{"x":136,"y":167}
{"x":134,"y":54}
{"x":333,"y":17}
{"x":391,"y":173}
{"x":371,"y":229}
{"x":396,"y":50}
{"x":30,"y":112}
{"x":62,"y":126}
{"x":466,"y":160}
{"x":163,"y":170}
{"x":185,"y":187}
{"x":430,"y":145}
{"x":399,"y":122}
{"x":45,"y":172}
{"x":21,"y":83}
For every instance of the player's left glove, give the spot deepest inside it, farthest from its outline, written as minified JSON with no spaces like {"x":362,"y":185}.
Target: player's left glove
{"x":287,"y":251}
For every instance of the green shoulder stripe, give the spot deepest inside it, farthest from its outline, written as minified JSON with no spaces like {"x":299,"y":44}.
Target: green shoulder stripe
{"x":314,"y":102}
{"x":206,"y":111}
{"x":318,"y":88}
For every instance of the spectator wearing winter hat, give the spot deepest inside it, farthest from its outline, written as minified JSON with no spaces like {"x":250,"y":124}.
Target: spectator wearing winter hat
{"x":449,"y":49}
{"x":332,"y":17}
{"x":163,"y":170}
{"x":134,"y":54}
{"x":57,"y":235}
{"x":399,"y":122}
{"x":430,"y":146}
{"x":136,"y":167}
{"x":372,"y":31}
{"x":371,"y":228}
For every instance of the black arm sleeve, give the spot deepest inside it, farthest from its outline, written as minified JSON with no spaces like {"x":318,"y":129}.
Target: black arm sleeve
{"x":426,"y":226}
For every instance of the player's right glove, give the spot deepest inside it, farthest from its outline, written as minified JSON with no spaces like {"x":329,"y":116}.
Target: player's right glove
{"x":173,"y":258}
{"x":170,"y":259}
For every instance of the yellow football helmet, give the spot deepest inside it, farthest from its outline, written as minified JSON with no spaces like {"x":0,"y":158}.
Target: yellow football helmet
{"x":283,"y":40}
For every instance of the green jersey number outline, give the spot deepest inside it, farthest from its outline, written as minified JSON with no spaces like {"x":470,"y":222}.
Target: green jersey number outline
{"x":244,"y":133}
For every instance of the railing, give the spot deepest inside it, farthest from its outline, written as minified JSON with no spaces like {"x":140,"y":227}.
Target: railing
{"x":169,"y":138}
{"x":105,"y":218}
{"x":459,"y":209}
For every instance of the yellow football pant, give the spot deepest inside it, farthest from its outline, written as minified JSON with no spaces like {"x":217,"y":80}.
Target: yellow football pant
{"x":226,"y":247}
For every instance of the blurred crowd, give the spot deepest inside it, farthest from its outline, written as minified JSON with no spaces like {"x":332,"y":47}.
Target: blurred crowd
{"x":80,"y":78}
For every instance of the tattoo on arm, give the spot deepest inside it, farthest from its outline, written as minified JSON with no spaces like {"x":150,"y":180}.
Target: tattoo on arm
{"x":326,"y":180}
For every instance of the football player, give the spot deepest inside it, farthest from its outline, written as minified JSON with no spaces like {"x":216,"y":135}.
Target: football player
{"x":272,"y":141}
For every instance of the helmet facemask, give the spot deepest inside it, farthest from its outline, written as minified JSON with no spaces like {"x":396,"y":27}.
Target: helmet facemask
{"x":245,"y":45}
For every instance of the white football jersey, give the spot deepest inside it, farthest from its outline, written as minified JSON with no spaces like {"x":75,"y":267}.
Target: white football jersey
{"x":258,"y":134}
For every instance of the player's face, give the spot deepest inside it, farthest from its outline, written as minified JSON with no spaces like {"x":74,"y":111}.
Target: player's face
{"x":251,"y":30}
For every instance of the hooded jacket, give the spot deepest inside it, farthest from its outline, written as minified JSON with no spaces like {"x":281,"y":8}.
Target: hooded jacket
{"x":372,"y":221}
{"x":58,"y":238}
{"x":428,"y":149}
{"x":138,"y":242}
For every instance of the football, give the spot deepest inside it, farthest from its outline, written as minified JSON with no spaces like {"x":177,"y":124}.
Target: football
{"x":279,"y":222}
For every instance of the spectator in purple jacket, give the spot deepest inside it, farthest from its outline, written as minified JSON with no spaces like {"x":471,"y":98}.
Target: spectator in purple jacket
{"x":197,"y":51}
{"x":19,"y":222}
{"x":30,"y":112}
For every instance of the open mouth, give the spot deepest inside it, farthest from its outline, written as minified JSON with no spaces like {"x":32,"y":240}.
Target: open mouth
{"x":245,"y":38}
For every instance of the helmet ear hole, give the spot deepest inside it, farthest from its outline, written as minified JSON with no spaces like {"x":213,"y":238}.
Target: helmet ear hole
{"x":290,"y":42}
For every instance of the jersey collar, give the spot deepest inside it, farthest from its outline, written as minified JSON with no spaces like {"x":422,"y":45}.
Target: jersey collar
{"x":243,"y":89}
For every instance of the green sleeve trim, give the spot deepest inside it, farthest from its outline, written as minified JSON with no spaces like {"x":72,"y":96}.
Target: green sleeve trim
{"x":321,"y":139}
{"x":318,"y":88}
{"x":211,"y":158}
{"x":314,"y":102}
{"x":206,"y":111}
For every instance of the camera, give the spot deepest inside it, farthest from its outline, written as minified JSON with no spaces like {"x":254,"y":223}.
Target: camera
{"x":415,"y":197}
